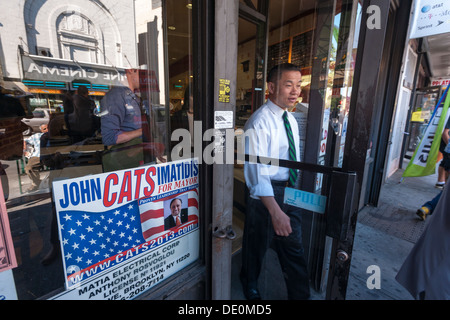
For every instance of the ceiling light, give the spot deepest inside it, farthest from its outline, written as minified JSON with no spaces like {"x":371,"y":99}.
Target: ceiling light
{"x":171,"y":28}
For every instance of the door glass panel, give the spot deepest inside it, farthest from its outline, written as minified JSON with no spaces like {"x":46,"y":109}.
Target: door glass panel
{"x":424,"y":104}
{"x":326,"y":59}
{"x":86,"y":117}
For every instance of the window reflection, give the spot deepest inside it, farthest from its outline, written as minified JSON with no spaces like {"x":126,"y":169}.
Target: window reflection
{"x":108,"y":81}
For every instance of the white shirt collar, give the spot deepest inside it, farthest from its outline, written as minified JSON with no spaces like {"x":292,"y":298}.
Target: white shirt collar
{"x":275,"y":109}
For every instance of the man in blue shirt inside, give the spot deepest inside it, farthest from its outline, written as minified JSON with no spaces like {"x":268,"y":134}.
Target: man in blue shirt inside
{"x":121,"y":126}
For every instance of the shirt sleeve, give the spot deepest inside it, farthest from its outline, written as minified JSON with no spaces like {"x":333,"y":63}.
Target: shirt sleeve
{"x":111,"y":123}
{"x":257,"y":176}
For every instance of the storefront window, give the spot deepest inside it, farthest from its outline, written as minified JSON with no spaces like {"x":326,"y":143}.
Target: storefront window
{"x":93,"y":207}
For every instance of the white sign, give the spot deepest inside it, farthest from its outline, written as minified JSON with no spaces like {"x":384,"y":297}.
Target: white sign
{"x":134,"y":277}
{"x":430,"y":17}
{"x":7,"y":286}
{"x":223,"y":120}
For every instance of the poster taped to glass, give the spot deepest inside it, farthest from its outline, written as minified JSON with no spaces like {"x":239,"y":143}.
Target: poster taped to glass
{"x":7,"y":254}
{"x":124,"y":232}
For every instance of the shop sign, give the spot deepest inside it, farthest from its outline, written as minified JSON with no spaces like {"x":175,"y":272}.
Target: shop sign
{"x":45,"y":91}
{"x":116,"y":238}
{"x":430,"y":17}
{"x":41,"y":68}
{"x":440,"y":82}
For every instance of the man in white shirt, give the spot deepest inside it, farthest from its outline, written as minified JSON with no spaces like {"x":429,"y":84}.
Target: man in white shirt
{"x":34,"y":160}
{"x":268,"y":218}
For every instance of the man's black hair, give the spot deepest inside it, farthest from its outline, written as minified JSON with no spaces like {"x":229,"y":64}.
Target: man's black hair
{"x":276,"y":72}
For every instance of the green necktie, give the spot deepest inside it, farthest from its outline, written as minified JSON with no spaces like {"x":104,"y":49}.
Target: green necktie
{"x":292,"y":153}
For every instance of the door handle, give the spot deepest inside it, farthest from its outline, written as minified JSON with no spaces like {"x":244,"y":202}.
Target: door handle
{"x":227,"y":233}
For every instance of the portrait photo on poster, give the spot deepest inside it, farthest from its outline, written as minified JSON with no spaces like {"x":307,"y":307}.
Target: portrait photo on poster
{"x":175,"y":211}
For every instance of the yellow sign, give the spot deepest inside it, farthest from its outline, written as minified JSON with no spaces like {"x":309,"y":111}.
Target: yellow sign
{"x":224,"y":90}
{"x":417,"y":116}
{"x":97,"y":93}
{"x":46,"y":91}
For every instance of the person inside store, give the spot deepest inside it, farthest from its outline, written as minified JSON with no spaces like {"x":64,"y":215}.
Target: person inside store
{"x":184,"y":118}
{"x":82,"y":122}
{"x":68,"y":107}
{"x":122,"y":125}
{"x":32,"y":151}
{"x":443,"y":172}
{"x":11,"y":136}
{"x":273,"y":133}
{"x":177,"y":216}
{"x":11,"y":127}
{"x":425,"y":273}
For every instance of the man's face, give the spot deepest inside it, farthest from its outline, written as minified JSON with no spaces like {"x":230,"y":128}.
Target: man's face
{"x":133,"y":79}
{"x":175,"y":207}
{"x":44,"y":128}
{"x":286,"y":91}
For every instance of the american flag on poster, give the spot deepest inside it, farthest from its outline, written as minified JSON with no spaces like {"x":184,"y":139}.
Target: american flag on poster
{"x":106,"y":219}
{"x":92,"y":240}
{"x":89,"y":238}
{"x":152,"y":214}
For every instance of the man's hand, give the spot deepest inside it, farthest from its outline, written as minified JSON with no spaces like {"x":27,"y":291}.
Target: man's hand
{"x":280,"y":220}
{"x":126,"y":136}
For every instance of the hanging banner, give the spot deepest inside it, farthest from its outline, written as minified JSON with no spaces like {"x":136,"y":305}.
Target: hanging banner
{"x":423,"y":162}
{"x":124,"y":232}
{"x":430,"y":17}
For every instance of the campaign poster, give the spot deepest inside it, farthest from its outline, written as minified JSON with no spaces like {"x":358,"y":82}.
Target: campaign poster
{"x":124,"y":232}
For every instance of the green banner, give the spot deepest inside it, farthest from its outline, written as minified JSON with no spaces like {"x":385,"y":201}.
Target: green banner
{"x":423,"y":162}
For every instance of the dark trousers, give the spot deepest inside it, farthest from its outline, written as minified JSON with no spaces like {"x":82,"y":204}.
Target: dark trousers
{"x":259,"y":235}
{"x":433,"y":203}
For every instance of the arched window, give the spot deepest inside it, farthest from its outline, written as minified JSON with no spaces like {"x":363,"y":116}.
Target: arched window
{"x":77,"y":38}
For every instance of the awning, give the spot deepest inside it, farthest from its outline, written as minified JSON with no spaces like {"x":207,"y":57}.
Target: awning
{"x":15,"y":87}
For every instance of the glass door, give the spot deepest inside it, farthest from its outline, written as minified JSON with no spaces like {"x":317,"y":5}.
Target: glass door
{"x":424,"y":103}
{"x":318,"y":38}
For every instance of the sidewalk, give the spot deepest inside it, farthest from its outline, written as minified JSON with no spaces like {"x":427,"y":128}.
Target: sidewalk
{"x":385,"y":235}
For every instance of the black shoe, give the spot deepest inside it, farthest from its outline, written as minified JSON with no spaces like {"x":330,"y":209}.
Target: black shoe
{"x":249,"y":293}
{"x":252,"y":294}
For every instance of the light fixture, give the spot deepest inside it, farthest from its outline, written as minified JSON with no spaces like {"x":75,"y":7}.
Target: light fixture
{"x":189,"y":6}
{"x":172,"y":28}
